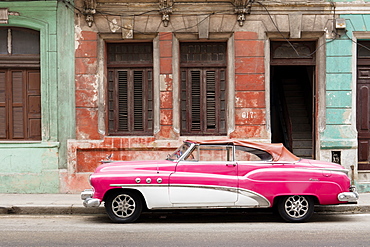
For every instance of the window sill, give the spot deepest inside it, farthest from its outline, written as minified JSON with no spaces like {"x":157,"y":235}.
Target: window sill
{"x":28,"y":144}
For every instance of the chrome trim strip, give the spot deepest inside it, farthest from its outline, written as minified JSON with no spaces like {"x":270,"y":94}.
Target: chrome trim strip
{"x":138,"y":185}
{"x":330,"y":169}
{"x":221,"y":188}
{"x":260,"y":199}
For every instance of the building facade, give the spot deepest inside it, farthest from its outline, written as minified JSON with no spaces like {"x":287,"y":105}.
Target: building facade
{"x":132,"y":79}
{"x":36,"y":95}
{"x":152,"y":73}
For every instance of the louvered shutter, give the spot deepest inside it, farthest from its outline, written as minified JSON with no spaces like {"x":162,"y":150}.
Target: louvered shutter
{"x":130,"y":88}
{"x":203,"y":88}
{"x":211,"y":100}
{"x":138,"y":102}
{"x":196,"y":100}
{"x":203,"y":101}
{"x":123,"y":101}
{"x":130,"y":101}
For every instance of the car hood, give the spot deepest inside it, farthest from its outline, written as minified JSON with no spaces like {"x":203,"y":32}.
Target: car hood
{"x":151,"y":165}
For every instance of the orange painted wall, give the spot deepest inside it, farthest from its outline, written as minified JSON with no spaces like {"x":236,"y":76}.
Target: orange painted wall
{"x":91,"y":147}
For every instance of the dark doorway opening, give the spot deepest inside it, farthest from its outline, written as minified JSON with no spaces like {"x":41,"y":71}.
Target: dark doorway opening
{"x":292,"y":108}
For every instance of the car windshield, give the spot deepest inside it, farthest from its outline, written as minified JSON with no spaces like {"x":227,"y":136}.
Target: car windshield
{"x":179,"y":152}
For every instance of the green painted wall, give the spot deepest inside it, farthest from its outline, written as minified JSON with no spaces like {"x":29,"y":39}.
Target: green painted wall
{"x":33,"y":167}
{"x":339,"y":132}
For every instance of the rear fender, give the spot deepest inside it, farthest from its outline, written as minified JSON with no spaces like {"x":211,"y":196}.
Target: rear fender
{"x":280,"y":182}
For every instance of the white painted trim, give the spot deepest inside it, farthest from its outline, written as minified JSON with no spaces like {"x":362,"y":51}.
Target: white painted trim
{"x":230,"y":122}
{"x":268,"y":88}
{"x":156,"y":86}
{"x":176,"y":125}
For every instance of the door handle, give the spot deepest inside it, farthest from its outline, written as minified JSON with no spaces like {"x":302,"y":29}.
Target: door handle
{"x":231,"y":165}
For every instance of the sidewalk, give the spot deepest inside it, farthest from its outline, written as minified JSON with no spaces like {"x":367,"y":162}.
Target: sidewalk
{"x":72,"y":204}
{"x":45,"y":204}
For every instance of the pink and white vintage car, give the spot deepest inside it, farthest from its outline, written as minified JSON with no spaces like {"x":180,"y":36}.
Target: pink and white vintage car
{"x":220,"y":174}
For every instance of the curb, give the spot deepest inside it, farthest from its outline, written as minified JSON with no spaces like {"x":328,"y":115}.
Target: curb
{"x":50,"y":209}
{"x":354,"y":209}
{"x":81,"y":210}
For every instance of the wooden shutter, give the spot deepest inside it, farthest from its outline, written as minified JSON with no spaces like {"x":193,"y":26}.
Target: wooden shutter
{"x":20,"y":94}
{"x":196,"y":100}
{"x":363,"y":117}
{"x":363,"y":104}
{"x":17,"y":111}
{"x":123,"y":101}
{"x":130,"y":101}
{"x":203,"y":101}
{"x":203,"y":88}
{"x":211,"y":100}
{"x":130,"y":88}
{"x":20,"y":105}
{"x":3,"y":108}
{"x":33,"y":116}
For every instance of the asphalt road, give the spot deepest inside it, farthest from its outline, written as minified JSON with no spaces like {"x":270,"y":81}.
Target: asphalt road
{"x":185,"y":229}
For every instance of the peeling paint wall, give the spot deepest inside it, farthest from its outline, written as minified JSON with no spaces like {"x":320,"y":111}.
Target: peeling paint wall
{"x":26,"y":169}
{"x":248,"y":75}
{"x":357,"y":28}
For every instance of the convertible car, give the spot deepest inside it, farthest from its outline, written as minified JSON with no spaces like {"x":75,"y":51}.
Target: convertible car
{"x":220,"y":174}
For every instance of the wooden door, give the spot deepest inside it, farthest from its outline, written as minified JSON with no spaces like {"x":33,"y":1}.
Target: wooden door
{"x":363,"y":117}
{"x":20,"y":104}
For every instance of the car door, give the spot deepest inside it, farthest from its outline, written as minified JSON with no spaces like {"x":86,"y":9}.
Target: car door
{"x":251,"y":160}
{"x":206,"y":177}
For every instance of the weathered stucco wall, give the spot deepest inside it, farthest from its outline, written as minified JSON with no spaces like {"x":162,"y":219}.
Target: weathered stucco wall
{"x":29,"y":168}
{"x":73,"y":82}
{"x":339,"y":132}
{"x":248,"y":73}
{"x":358,"y":27}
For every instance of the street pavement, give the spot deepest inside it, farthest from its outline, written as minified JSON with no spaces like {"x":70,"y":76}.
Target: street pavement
{"x":67,"y":204}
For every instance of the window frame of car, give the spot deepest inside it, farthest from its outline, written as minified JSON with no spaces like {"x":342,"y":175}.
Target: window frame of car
{"x":192,"y":146}
{"x":228,"y":148}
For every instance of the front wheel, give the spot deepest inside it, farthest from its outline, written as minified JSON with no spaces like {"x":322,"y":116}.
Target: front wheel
{"x":123,"y":206}
{"x":296,"y":208}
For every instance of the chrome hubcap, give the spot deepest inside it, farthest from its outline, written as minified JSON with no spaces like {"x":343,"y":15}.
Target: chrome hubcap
{"x":296,"y":206}
{"x":123,"y":206}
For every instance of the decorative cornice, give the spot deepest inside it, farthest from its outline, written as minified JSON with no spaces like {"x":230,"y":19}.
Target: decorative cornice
{"x":89,"y":11}
{"x":165,"y":9}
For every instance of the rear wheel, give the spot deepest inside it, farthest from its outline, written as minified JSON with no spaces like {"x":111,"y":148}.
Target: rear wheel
{"x":123,"y":206}
{"x":296,"y":208}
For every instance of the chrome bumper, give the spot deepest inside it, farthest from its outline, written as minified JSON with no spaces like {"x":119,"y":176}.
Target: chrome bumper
{"x":349,"y":196}
{"x":88,"y":201}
